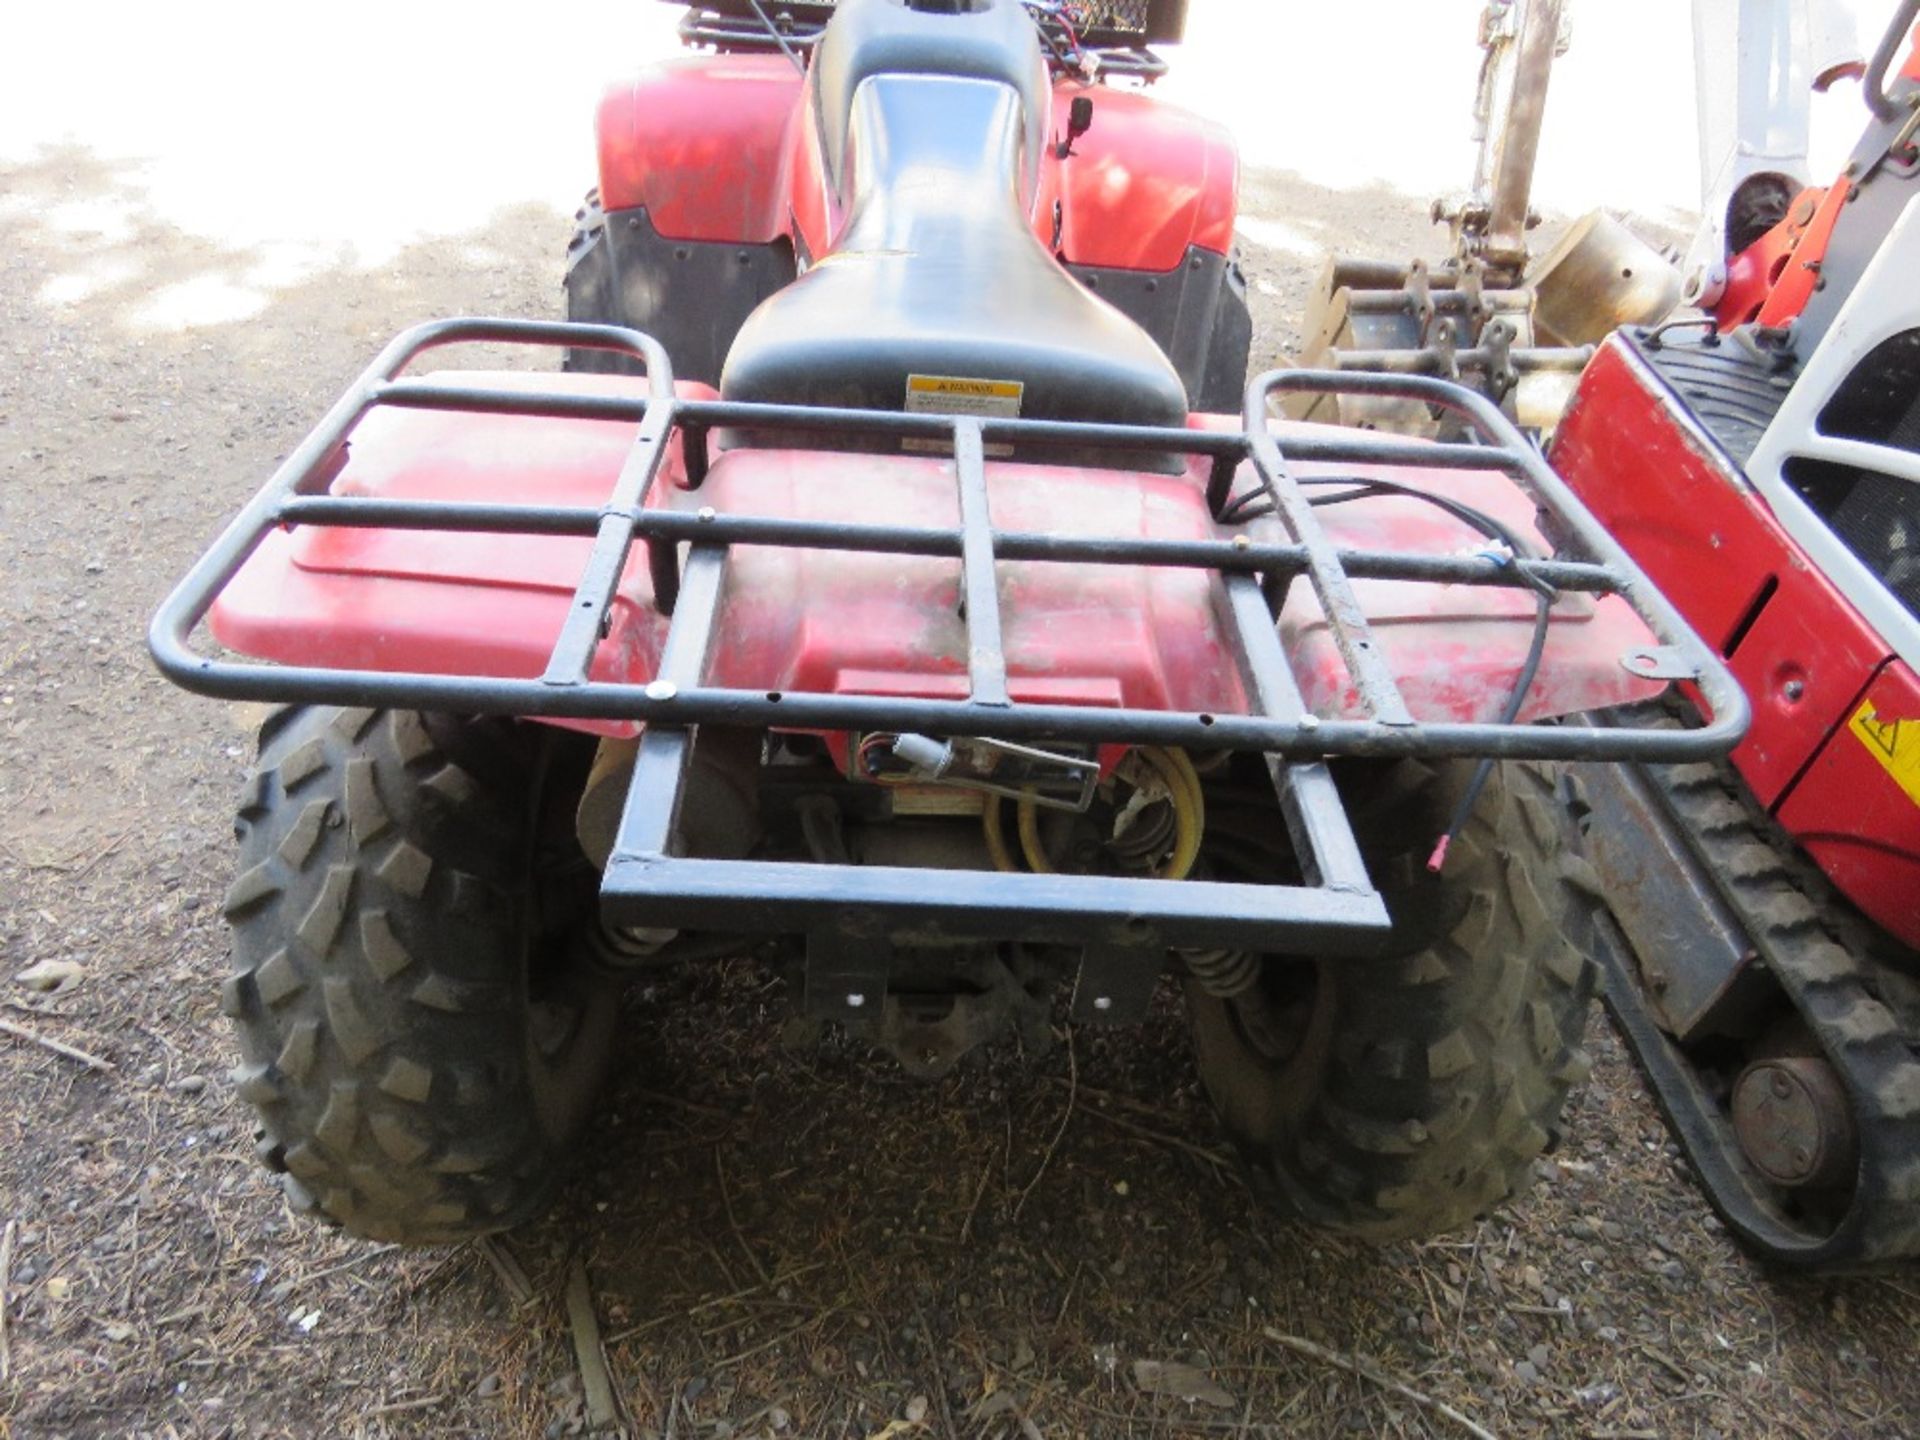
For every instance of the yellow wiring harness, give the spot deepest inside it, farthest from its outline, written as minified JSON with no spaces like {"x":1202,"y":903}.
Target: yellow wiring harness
{"x":1176,"y":772}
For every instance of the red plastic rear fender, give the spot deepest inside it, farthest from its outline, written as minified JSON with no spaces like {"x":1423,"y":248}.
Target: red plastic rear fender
{"x":1147,"y":182}
{"x":1457,"y":649}
{"x":701,"y":142}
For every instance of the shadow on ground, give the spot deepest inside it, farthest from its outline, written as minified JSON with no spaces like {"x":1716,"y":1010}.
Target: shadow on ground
{"x":779,"y":1238}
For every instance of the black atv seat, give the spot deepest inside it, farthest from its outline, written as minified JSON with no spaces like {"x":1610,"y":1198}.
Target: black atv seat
{"x":937,"y":273}
{"x":971,"y":39}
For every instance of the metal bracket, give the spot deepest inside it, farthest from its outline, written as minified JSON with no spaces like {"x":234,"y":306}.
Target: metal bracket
{"x":1446,"y":345}
{"x":846,"y":975}
{"x":998,"y":767}
{"x":1659,"y":662}
{"x":1470,"y":281}
{"x":1420,"y":298}
{"x":1116,"y":983}
{"x":1497,"y":340}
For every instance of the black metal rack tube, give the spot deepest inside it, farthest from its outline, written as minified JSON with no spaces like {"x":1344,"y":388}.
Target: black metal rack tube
{"x":1239,"y":555}
{"x":979,"y":587}
{"x":652,"y":809}
{"x":1529,"y":469}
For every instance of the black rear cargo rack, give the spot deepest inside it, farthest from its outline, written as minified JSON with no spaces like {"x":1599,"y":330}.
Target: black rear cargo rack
{"x":1117,"y":32}
{"x":848,"y":908}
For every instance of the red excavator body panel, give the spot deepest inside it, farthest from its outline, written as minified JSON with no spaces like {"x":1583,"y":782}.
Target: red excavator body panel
{"x":1822,"y":680}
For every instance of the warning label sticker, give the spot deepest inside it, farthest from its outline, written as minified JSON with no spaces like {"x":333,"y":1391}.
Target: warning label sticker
{"x":1894,"y":743}
{"x":955,"y":395}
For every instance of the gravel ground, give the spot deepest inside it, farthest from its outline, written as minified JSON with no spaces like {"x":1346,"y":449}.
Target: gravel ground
{"x":778,"y":1239}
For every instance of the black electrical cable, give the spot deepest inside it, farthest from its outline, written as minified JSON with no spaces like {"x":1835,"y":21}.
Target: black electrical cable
{"x":779,"y":37}
{"x":1051,"y":20}
{"x":1263,"y":501}
{"x":1523,"y":682}
{"x":1362,"y":487}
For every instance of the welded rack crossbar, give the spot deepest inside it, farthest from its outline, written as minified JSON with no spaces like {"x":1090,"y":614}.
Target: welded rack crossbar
{"x":849,"y":911}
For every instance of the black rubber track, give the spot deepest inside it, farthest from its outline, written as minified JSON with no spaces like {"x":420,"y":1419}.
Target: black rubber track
{"x":1426,"y":1084}
{"x":1846,"y":981}
{"x":384,"y":921}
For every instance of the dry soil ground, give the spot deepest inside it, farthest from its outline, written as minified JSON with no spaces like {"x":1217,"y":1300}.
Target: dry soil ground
{"x":778,"y":1241}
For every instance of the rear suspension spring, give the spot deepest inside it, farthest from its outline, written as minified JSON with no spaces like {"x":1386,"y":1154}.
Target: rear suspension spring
{"x":1223,"y":974}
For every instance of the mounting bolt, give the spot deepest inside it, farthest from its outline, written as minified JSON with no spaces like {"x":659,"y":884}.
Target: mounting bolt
{"x":1242,"y":542}
{"x":1309,"y":722}
{"x":706,"y":512}
{"x":662,"y":690}
{"x":1782,"y":1087}
{"x":855,"y":1000}
{"x":1794,"y":689}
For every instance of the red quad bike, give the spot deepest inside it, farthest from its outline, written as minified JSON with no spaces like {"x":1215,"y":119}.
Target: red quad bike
{"x":1763,"y":936}
{"x":936,"y":609}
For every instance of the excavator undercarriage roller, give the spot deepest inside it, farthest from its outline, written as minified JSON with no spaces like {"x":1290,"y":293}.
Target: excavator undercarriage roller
{"x":1794,"y":1126}
{"x":1797,"y":1099}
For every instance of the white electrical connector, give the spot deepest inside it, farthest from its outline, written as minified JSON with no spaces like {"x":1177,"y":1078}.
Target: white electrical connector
{"x":924,"y":755}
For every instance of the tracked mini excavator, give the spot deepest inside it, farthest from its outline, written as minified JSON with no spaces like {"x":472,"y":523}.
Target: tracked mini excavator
{"x":1757,"y":451}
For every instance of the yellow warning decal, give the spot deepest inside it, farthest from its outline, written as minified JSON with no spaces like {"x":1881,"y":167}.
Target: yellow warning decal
{"x":1894,"y":743}
{"x":957,"y":395}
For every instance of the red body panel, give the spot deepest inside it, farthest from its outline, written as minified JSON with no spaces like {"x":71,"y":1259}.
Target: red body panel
{"x":1145,"y":183}
{"x":1457,"y":649}
{"x":1856,"y":821}
{"x":451,"y":604}
{"x":723,"y":148}
{"x":1798,"y":647}
{"x":812,"y":212}
{"x":854,"y":624}
{"x":701,"y":141}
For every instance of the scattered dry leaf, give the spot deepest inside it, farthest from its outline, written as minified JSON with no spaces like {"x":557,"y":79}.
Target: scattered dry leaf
{"x":1182,"y":1382}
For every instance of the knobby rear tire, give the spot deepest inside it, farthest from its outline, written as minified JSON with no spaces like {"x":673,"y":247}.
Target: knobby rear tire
{"x":396,"y":983}
{"x":1424,"y":1085}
